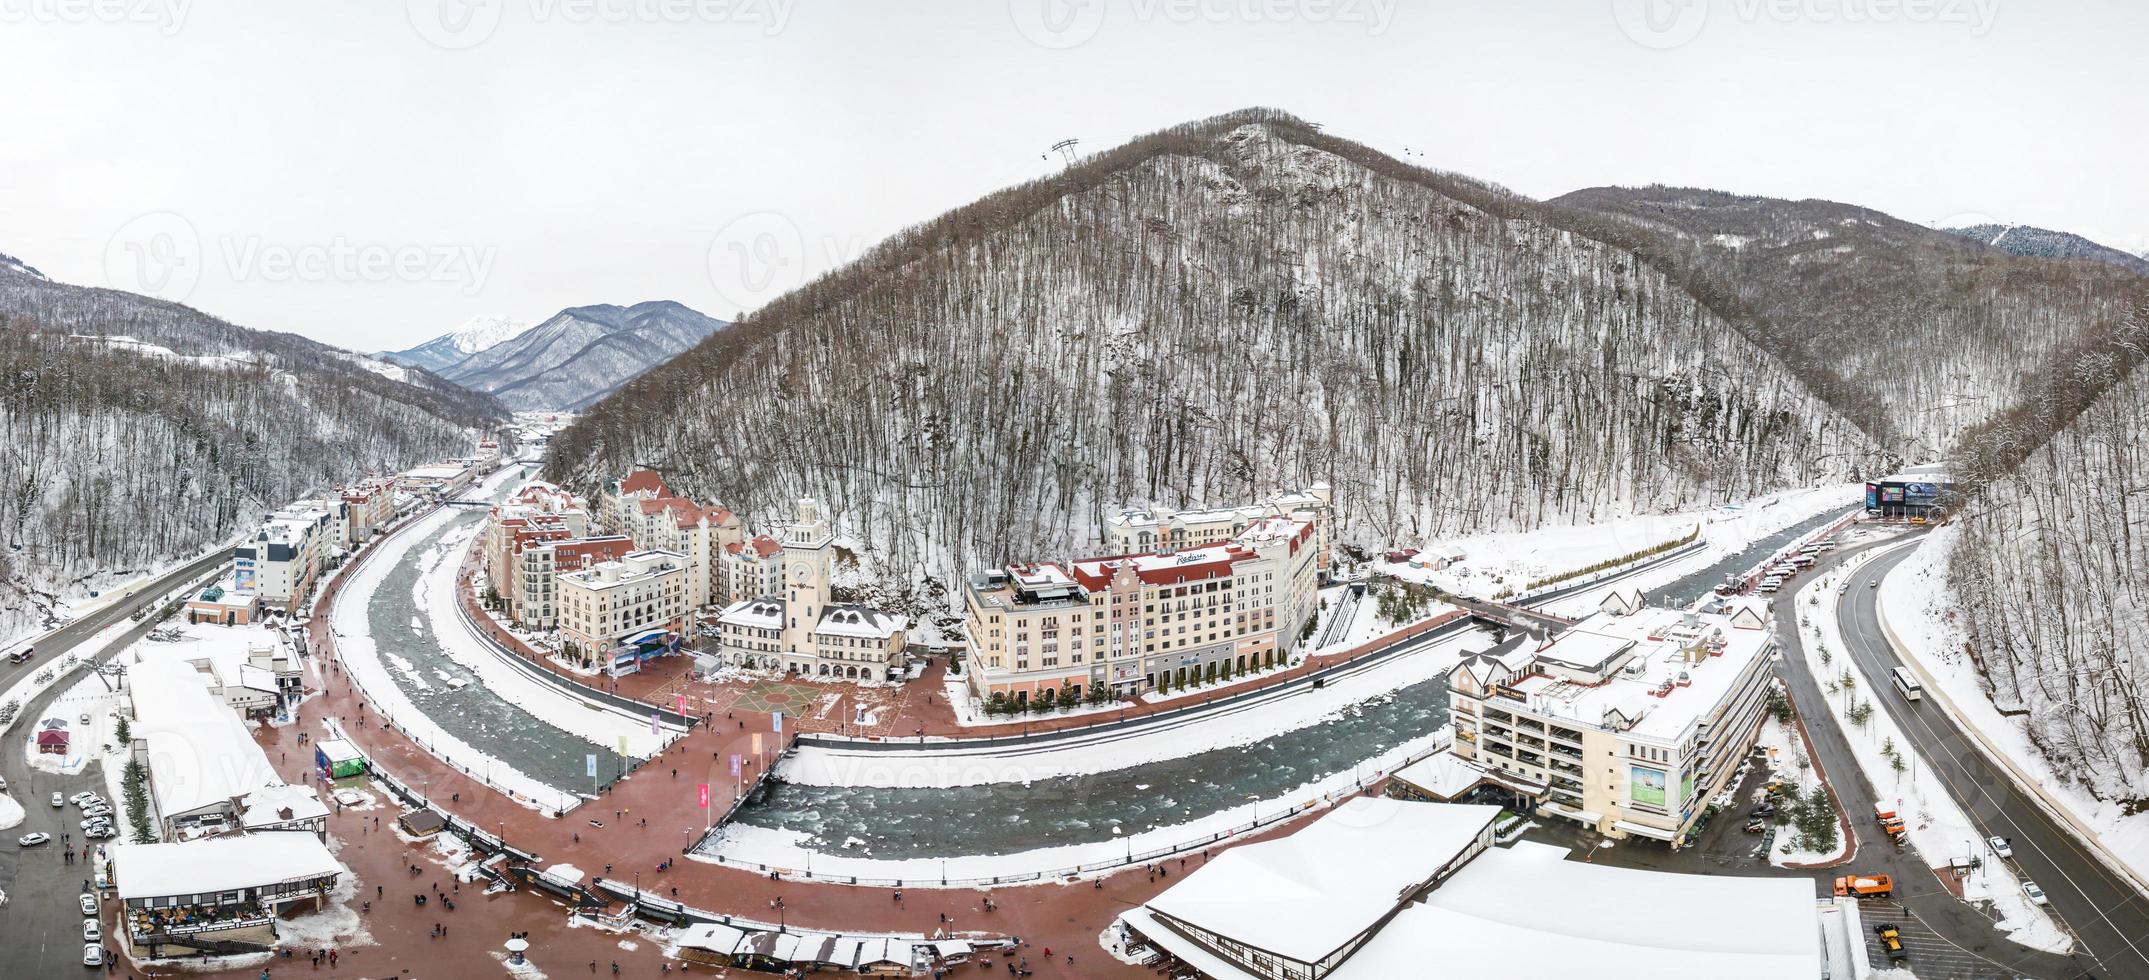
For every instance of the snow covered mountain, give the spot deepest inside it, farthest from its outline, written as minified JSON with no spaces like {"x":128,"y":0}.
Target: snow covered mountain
{"x":581,"y":354}
{"x":2046,"y":243}
{"x":478,"y":333}
{"x":135,"y":431}
{"x":1915,"y":334}
{"x":1207,"y":315}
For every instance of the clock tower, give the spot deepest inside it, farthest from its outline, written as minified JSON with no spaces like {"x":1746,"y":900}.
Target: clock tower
{"x":807,"y":550}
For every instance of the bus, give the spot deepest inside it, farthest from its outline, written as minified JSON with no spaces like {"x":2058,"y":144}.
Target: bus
{"x":1908,"y":685}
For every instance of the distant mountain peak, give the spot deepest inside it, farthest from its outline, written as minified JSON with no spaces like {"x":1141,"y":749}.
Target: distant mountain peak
{"x":581,"y":353}
{"x":2044,"y":243}
{"x":485,"y":330}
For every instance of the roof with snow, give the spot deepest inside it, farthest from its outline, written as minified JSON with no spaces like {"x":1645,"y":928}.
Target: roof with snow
{"x":763,"y":613}
{"x":1306,"y":895}
{"x":337,"y":750}
{"x":1528,"y":911}
{"x":850,"y":619}
{"x":271,"y":805}
{"x":219,"y":864}
{"x":1441,"y":775}
{"x":200,"y":754}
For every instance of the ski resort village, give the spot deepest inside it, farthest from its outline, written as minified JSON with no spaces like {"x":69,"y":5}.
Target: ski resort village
{"x":901,"y":490}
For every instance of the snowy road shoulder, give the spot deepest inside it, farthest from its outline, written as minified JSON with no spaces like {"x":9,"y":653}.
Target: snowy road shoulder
{"x":1939,"y":828}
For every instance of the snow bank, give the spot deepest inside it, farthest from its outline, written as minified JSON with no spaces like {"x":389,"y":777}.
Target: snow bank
{"x":950,"y":765}
{"x":1939,"y":828}
{"x":1916,"y":608}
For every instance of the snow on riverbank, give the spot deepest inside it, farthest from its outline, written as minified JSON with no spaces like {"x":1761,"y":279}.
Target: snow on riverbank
{"x":366,"y":665}
{"x":788,"y":849}
{"x":1917,"y":606}
{"x":948,"y":766}
{"x":1939,"y":828}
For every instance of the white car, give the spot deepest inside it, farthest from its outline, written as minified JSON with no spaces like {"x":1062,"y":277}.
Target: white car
{"x":3,"y":784}
{"x":96,"y":822}
{"x":34,"y":840}
{"x":102,"y":831}
{"x":92,"y":955}
{"x":81,"y":798}
{"x":2001,"y":846}
{"x":58,"y":800}
{"x":100,"y":810}
{"x":2036,"y":894}
{"x":89,"y":904}
{"x":91,"y":933}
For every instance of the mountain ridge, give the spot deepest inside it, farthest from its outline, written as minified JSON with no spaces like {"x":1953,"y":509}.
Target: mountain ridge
{"x":582,"y":353}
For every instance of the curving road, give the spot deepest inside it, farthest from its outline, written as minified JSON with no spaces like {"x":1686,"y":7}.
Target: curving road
{"x":2107,"y":914}
{"x":40,"y":927}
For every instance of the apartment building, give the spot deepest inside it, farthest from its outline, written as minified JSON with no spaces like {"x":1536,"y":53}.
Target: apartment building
{"x":643,"y":507}
{"x":1629,"y":721}
{"x":1153,"y":528}
{"x":284,"y":557}
{"x":750,"y":569}
{"x":799,"y":628}
{"x":1129,"y":622}
{"x":368,"y":506}
{"x":615,"y":607}
{"x":536,"y":560}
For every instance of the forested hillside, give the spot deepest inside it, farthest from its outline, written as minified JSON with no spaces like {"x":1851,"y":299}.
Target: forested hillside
{"x":134,"y":432}
{"x":1915,"y":334}
{"x":2046,"y":243}
{"x":1207,"y":315}
{"x":2050,"y":568}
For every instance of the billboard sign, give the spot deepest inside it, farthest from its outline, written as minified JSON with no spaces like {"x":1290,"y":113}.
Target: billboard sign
{"x":1921,"y":493}
{"x":1646,"y":786}
{"x":1872,"y":496}
{"x":1891,"y":495}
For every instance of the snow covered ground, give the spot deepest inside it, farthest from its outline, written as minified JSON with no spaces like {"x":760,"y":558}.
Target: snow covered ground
{"x":89,"y":696}
{"x":1501,"y":562}
{"x":1915,"y":607}
{"x":1939,"y":828}
{"x":10,"y":812}
{"x":1258,"y":718}
{"x":1786,"y":749}
{"x":789,"y":849}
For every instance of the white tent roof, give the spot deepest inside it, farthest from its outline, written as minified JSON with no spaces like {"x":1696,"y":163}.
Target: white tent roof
{"x":1304,"y":895}
{"x":219,"y":864}
{"x":1441,"y":774}
{"x":1528,"y":911}
{"x":338,"y":750}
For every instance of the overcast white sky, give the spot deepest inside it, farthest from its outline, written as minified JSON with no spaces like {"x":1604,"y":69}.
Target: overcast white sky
{"x":373,"y":172}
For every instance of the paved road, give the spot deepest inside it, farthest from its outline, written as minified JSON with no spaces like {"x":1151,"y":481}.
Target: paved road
{"x":1919,"y":893}
{"x":41,"y":927}
{"x":55,"y":645}
{"x":2106,"y":912}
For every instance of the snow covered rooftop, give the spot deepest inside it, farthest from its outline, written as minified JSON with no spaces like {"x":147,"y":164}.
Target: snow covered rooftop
{"x":1527,"y":911}
{"x":763,"y":613}
{"x":338,"y":750}
{"x":271,"y":805}
{"x":1667,"y":682}
{"x":1305,"y":895}
{"x":1441,"y":774}
{"x":219,"y":864}
{"x":854,"y":620}
{"x":199,"y":752}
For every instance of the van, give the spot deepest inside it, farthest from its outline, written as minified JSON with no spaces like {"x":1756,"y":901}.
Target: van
{"x":1907,"y":685}
{"x":24,"y":654}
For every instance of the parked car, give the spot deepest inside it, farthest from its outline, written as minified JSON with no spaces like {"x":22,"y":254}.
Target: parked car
{"x":100,"y":810}
{"x":89,"y":904}
{"x":92,"y":955}
{"x":96,"y":822}
{"x":1756,"y":825}
{"x":2036,"y":894}
{"x":100,"y":832}
{"x":2001,"y":846}
{"x":91,"y":931}
{"x":58,"y":800}
{"x":33,"y":840}
{"x":82,"y":798}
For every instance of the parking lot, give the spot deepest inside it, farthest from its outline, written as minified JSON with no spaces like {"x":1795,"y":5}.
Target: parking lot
{"x":1929,"y":956}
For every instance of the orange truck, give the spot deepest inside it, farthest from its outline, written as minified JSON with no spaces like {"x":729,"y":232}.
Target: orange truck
{"x":1890,"y":824}
{"x":1866,"y":886}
